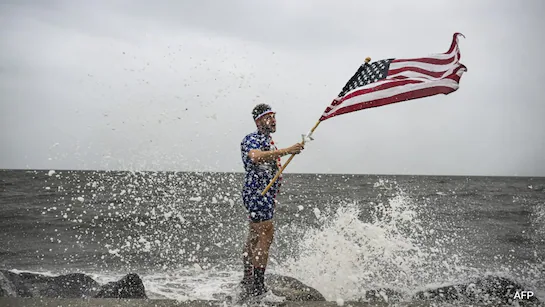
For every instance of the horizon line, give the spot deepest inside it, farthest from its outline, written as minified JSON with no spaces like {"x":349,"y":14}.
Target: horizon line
{"x":286,"y":173}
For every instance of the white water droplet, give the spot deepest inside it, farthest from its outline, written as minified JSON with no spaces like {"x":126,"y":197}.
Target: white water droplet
{"x":317,"y":212}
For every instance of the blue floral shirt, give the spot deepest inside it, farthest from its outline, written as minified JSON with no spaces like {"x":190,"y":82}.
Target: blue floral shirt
{"x":259,"y":175}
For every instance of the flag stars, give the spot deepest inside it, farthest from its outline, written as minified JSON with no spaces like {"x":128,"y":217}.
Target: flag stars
{"x":365,"y":75}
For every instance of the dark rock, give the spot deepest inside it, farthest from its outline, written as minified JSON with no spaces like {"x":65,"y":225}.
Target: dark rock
{"x":130,"y":286}
{"x":488,"y":290}
{"x":74,"y":285}
{"x":292,"y":289}
{"x":7,"y":288}
{"x":11,"y":285}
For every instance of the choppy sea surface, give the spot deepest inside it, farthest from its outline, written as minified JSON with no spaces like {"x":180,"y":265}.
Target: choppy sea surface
{"x":341,"y":234}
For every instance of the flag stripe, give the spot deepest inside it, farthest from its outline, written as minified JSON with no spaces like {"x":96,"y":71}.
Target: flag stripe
{"x":423,"y":75}
{"x":453,"y":75}
{"x":437,"y":59}
{"x":428,"y":73}
{"x":424,"y":66}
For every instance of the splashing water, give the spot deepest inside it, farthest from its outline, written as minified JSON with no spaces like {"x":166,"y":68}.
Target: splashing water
{"x":539,"y":224}
{"x":347,"y":256}
{"x":539,"y":220}
{"x":153,"y":219}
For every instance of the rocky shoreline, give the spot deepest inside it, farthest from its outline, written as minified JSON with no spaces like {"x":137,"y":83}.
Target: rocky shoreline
{"x":77,"y":289}
{"x":50,"y":302}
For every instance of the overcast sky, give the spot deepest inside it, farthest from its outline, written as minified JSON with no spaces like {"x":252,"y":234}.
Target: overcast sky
{"x":169,"y":85}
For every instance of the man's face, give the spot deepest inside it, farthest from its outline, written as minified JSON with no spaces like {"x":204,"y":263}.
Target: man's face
{"x":268,"y":123}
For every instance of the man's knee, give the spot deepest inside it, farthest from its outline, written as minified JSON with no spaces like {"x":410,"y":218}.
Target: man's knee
{"x":264,"y":231}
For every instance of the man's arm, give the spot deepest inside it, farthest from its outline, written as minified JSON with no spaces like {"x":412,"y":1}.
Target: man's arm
{"x":259,"y":156}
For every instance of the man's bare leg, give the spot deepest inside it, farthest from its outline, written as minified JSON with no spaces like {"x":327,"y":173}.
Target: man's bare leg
{"x":260,"y":250}
{"x":247,"y":256}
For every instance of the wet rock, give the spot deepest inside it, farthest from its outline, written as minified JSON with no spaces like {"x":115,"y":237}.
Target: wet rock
{"x":75,"y":285}
{"x":488,"y":290}
{"x":292,"y":289}
{"x":7,"y":288}
{"x":130,"y":286}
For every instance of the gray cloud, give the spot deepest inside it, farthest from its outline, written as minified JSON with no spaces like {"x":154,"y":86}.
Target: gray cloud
{"x":170,"y":85}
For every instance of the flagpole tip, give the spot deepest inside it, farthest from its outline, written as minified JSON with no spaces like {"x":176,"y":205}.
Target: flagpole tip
{"x":367,"y":59}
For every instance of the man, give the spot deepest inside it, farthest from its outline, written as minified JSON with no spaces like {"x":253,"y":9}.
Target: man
{"x":261,"y":161}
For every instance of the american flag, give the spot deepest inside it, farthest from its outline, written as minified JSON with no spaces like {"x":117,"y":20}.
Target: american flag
{"x":395,"y":80}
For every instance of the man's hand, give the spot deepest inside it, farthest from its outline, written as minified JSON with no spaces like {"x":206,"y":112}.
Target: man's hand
{"x":295,"y":149}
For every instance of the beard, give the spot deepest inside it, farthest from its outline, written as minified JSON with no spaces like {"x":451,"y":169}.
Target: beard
{"x":268,"y":128}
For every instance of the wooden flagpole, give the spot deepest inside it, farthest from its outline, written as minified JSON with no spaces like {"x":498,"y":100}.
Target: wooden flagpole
{"x":367,"y":60}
